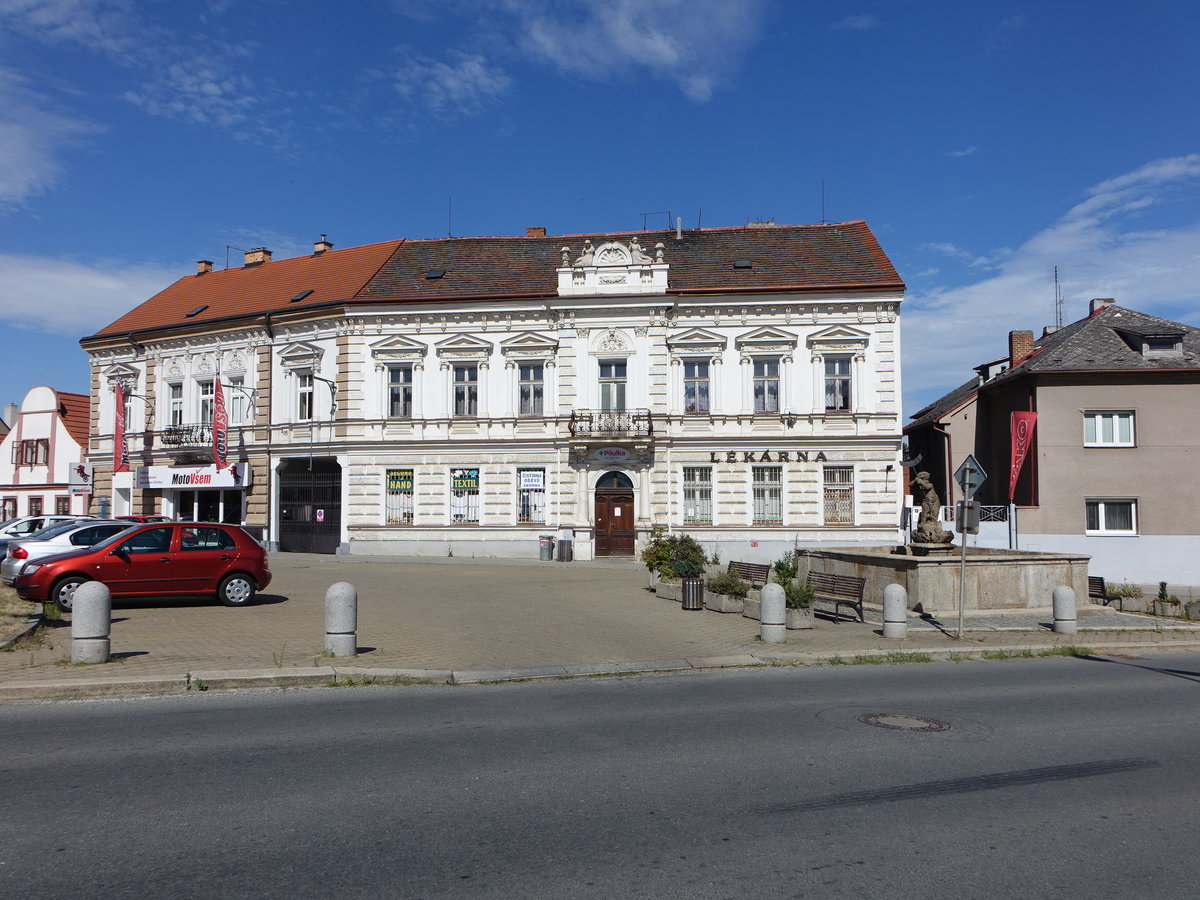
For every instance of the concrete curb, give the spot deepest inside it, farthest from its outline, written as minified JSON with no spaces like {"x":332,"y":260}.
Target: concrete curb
{"x":335,"y":676}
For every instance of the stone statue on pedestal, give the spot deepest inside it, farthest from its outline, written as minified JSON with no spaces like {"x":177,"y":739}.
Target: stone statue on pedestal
{"x":929,"y":529}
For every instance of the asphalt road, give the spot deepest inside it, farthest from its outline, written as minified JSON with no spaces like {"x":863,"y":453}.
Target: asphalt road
{"x":1055,"y":778}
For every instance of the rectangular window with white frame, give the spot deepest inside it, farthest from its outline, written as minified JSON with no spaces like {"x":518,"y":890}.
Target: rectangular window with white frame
{"x":466,"y":390}
{"x":837,"y":384}
{"x":839,"y":495}
{"x":400,"y":392}
{"x":304,"y":396}
{"x":175,"y":404}
{"x":1115,"y":517}
{"x":531,"y":496}
{"x":612,"y":385}
{"x":1108,"y":428}
{"x":531,"y":389}
{"x":204,"y":393}
{"x":399,"y":497}
{"x":695,"y":386}
{"x":767,"y":488}
{"x":464,"y":496}
{"x":766,"y":385}
{"x":697,"y":495}
{"x":235,"y":399}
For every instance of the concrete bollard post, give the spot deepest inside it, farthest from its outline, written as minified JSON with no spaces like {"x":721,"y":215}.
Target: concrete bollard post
{"x":341,"y":619}
{"x":772,"y":627}
{"x":895,"y":612}
{"x":91,"y":620}
{"x":1064,"y":611}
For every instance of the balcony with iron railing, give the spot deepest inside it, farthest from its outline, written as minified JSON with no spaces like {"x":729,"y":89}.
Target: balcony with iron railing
{"x":625,"y":424}
{"x":195,"y":435}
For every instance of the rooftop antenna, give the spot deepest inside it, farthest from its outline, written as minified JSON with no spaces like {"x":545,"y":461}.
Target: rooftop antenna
{"x":824,"y":221}
{"x":699,"y":218}
{"x":450,"y":216}
{"x":661,"y":212}
{"x":229,"y":247}
{"x":1058,"y":301}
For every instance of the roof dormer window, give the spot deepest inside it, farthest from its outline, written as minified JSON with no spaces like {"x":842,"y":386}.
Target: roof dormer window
{"x":1162,"y":345}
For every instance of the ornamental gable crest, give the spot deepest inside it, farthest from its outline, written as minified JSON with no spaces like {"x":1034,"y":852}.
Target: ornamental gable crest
{"x":612,"y":342}
{"x":529,"y":344}
{"x":613,"y":267}
{"x":838,"y":337}
{"x":766,"y":340}
{"x":464,"y":346}
{"x":122,"y":373}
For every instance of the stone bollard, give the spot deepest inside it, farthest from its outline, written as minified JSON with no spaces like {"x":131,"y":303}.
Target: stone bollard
{"x":772,"y":626}
{"x":1064,"y":611}
{"x":341,"y":619}
{"x":895,"y":612}
{"x":91,"y":619}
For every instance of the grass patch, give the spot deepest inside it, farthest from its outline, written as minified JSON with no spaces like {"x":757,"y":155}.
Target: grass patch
{"x":909,"y":658}
{"x":838,"y":661}
{"x":364,"y":680}
{"x":868,"y":660}
{"x":1067,"y":650}
{"x":14,"y":612}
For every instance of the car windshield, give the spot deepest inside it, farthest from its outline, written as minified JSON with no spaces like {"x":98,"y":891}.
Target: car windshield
{"x":53,"y":530}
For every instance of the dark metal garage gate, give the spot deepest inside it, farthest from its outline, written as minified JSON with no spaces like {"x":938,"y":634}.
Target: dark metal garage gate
{"x":310,"y":506}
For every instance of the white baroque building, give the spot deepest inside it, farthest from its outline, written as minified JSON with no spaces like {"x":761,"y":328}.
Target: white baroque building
{"x":467,"y":395}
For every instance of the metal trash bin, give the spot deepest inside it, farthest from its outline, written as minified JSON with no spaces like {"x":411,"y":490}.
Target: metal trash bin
{"x":693,"y":593}
{"x":566,"y":545}
{"x":546,"y":546}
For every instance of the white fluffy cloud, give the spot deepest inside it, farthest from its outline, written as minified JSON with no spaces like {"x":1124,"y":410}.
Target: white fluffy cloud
{"x":61,"y":296}
{"x":1119,"y":241}
{"x":464,"y":86}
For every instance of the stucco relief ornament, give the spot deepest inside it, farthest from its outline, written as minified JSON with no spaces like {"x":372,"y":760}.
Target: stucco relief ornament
{"x":929,"y":529}
{"x":612,"y":342}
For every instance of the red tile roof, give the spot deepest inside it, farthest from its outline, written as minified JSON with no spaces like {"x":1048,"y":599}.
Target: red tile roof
{"x":843,"y":256}
{"x":75,"y":412}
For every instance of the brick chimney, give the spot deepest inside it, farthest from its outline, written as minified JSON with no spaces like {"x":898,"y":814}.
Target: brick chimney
{"x":1100,"y":303}
{"x":1020,"y":345}
{"x":535,"y":231}
{"x":257,"y":256}
{"x":203,"y":266}
{"x":321,"y":246}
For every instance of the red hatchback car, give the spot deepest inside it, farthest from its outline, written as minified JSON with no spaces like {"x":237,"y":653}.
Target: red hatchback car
{"x":179,"y":559}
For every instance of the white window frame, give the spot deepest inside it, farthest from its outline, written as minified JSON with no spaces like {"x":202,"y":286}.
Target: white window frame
{"x":536,"y":405}
{"x":697,"y":488}
{"x":1114,"y":417}
{"x":466,"y":500}
{"x":471,"y":386}
{"x":833,"y":489}
{"x":531,"y":499}
{"x":768,"y":487}
{"x":835,"y":377}
{"x":1102,"y":504}
{"x":204,"y":401}
{"x":399,"y":506}
{"x":702,"y":384}
{"x":175,"y":403}
{"x":401,"y":387}
{"x":235,"y":399}
{"x":765,"y":380}
{"x":613,"y":384}
{"x":304,"y":395}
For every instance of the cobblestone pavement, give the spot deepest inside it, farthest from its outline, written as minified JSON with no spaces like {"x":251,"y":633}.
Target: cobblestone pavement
{"x":441,"y":616}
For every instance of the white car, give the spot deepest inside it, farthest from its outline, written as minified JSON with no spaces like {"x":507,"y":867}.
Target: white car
{"x":27,"y":525}
{"x":62,"y":538}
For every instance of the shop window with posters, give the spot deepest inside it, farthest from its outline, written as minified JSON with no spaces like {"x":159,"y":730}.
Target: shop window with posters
{"x":399,"y":504}
{"x":464,"y":496}
{"x":531,"y":496}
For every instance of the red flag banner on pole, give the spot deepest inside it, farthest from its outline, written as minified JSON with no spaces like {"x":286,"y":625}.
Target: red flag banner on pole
{"x":120,"y":446}
{"x":1022,"y":437}
{"x":220,"y":427}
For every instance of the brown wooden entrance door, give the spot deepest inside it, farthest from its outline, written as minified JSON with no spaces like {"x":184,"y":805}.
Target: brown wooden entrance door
{"x":614,"y":522}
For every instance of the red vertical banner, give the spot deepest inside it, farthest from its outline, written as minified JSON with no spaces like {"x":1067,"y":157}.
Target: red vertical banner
{"x":120,"y":445}
{"x":1022,"y":437}
{"x":220,"y":427}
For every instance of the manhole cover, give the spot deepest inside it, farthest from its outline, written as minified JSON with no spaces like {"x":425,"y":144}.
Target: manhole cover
{"x":900,"y":722}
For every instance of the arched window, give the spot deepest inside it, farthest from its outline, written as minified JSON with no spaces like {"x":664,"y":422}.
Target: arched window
{"x":614,"y":480}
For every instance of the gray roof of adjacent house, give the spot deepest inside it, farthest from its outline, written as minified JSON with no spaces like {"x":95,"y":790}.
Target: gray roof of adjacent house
{"x":1109,"y":340}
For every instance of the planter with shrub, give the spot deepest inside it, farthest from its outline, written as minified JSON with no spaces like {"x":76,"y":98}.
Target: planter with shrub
{"x":726,"y":593}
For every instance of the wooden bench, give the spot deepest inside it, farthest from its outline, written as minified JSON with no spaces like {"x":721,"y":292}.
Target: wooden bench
{"x":840,"y":590}
{"x":754,"y":574}
{"x":1098,"y":591}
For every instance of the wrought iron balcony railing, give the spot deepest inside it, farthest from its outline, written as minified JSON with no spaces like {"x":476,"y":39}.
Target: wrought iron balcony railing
{"x":186,"y":435}
{"x":611,"y":424}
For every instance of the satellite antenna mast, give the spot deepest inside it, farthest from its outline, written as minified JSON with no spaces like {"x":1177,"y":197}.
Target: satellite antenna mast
{"x":1058,"y":301}
{"x":450,"y":216}
{"x":822,"y":201}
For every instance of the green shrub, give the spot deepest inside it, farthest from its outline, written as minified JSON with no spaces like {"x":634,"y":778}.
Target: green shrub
{"x":1128,"y":590}
{"x":786,"y":568}
{"x":678,"y":553}
{"x":728,"y":583}
{"x":797,"y":596}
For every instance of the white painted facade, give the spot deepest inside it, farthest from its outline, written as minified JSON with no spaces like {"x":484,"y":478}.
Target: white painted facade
{"x":39,"y":459}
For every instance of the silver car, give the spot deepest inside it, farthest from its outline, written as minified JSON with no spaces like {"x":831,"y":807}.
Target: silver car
{"x":60,"y":538}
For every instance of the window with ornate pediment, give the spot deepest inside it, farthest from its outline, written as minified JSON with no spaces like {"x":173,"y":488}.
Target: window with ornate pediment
{"x":465,"y":358}
{"x":766,"y":355}
{"x":838,"y":357}
{"x":530,"y":357}
{"x":695,"y":354}
{"x":399,"y":360}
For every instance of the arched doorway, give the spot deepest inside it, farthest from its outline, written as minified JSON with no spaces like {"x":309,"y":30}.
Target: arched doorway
{"x":615,"y":532}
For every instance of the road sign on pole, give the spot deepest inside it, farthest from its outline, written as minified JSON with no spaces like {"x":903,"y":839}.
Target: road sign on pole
{"x":970,"y":476}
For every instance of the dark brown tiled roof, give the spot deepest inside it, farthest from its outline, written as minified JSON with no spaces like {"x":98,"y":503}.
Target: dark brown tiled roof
{"x":73,"y":409}
{"x":944,"y":404}
{"x":782,"y":257}
{"x":843,"y":256}
{"x":331,"y":276}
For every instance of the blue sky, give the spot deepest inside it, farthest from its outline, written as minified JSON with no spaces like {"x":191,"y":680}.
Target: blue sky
{"x":985,"y":144}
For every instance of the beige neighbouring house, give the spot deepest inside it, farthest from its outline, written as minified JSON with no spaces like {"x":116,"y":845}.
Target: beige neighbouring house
{"x":468,"y":395}
{"x":1111,"y":468}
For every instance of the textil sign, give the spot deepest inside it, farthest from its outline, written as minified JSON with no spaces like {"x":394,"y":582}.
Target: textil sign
{"x":464,"y":479}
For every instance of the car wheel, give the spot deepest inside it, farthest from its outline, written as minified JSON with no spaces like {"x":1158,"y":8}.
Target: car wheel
{"x":236,"y":589}
{"x":63,"y":592}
